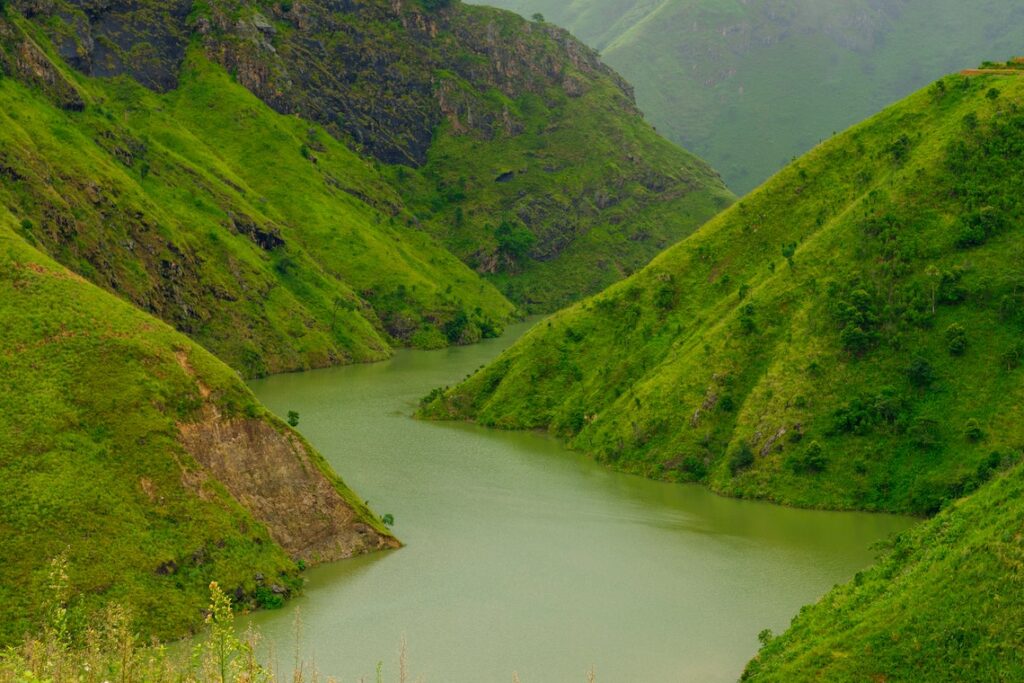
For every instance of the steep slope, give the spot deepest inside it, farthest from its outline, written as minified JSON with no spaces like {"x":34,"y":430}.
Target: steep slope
{"x":511,"y":142}
{"x":848,"y":336}
{"x":145,"y":462}
{"x":945,"y":603}
{"x":258,"y":235}
{"x":750,"y":85}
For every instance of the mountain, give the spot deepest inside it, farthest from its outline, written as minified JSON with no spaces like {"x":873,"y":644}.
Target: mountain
{"x":511,"y":144}
{"x":944,"y":603}
{"x":194,"y":192}
{"x":145,"y":463}
{"x":848,"y":336}
{"x":259,"y":235}
{"x":750,"y":85}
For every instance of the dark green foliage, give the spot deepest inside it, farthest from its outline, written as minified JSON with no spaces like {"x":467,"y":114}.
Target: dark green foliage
{"x":293,"y":418}
{"x":978,"y":226}
{"x":748,"y":323}
{"x":956,"y":339}
{"x":388,"y":519}
{"x":788,"y":250}
{"x":920,"y":372}
{"x":266,"y":598}
{"x":856,"y":311}
{"x":742,"y":458}
{"x":900,"y":148}
{"x":514,"y":241}
{"x":695,"y":467}
{"x":810,"y":460}
{"x":973,"y":431}
{"x":865,"y":413}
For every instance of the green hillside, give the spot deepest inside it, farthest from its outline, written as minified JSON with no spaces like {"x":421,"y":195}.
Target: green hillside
{"x":749,"y":85}
{"x":188,"y":204}
{"x":848,"y":336}
{"x":95,"y":400}
{"x":510,"y":142}
{"x":271,"y":187}
{"x":945,"y":603}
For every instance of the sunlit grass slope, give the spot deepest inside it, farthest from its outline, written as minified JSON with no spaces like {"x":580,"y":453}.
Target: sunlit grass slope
{"x":848,"y":336}
{"x":257,"y":234}
{"x":91,"y":468}
{"x":944,"y":604}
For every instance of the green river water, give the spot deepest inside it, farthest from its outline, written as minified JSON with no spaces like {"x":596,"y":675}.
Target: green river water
{"x":524,"y":557}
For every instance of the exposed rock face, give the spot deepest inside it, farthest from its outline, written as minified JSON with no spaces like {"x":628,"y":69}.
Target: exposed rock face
{"x":379,"y":74}
{"x":274,"y":475}
{"x":21,"y":57}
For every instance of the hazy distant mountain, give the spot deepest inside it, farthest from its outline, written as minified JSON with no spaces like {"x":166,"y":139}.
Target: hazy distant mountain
{"x":748,"y":85}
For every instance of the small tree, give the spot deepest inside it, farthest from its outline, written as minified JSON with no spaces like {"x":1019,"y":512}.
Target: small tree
{"x":741,"y":459}
{"x":537,"y":17}
{"x":920,"y":373}
{"x":973,"y":431}
{"x":956,"y":339}
{"x":293,"y":418}
{"x":788,"y":250}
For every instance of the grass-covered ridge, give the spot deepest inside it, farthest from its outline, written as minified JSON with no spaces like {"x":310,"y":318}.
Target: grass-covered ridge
{"x":259,"y":235}
{"x":510,"y":141}
{"x":749,"y":85}
{"x":92,"y":393}
{"x":848,"y":336}
{"x":945,"y":603}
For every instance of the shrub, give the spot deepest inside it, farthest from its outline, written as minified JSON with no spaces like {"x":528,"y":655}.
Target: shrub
{"x":695,"y":467}
{"x":741,"y":459}
{"x":514,"y":241}
{"x":956,"y":339}
{"x":293,"y":418}
{"x":268,"y":599}
{"x":973,"y":431}
{"x":920,"y":373}
{"x":811,"y":461}
{"x":747,"y":324}
{"x":978,"y":226}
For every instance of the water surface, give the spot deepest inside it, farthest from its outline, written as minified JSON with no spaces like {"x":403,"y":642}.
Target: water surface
{"x":522,"y":556}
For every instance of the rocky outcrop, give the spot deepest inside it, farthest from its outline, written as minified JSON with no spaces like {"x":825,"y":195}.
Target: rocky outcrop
{"x":22,"y":57}
{"x":278,"y":478}
{"x":377,"y":74}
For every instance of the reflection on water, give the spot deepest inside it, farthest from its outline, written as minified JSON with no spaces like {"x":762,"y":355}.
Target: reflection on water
{"x":522,"y":556}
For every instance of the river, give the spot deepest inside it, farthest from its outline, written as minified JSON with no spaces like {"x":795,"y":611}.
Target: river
{"x":522,"y":556}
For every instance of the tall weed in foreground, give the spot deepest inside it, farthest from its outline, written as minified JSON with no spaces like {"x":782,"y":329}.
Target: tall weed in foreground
{"x":109,"y":651}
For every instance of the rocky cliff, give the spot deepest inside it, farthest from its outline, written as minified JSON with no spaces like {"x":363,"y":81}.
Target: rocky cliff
{"x":146,"y":463}
{"x":460,"y":95}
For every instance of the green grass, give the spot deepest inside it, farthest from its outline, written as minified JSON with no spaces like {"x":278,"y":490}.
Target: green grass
{"x":599,"y":197}
{"x":91,"y":468}
{"x":748,"y":86}
{"x":164,"y":200}
{"x":574,"y":167}
{"x":944,"y":603}
{"x":722,"y":363}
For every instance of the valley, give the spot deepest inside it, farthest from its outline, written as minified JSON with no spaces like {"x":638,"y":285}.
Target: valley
{"x":521,"y":556}
{"x":749,"y":86}
{"x":597,"y":417}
